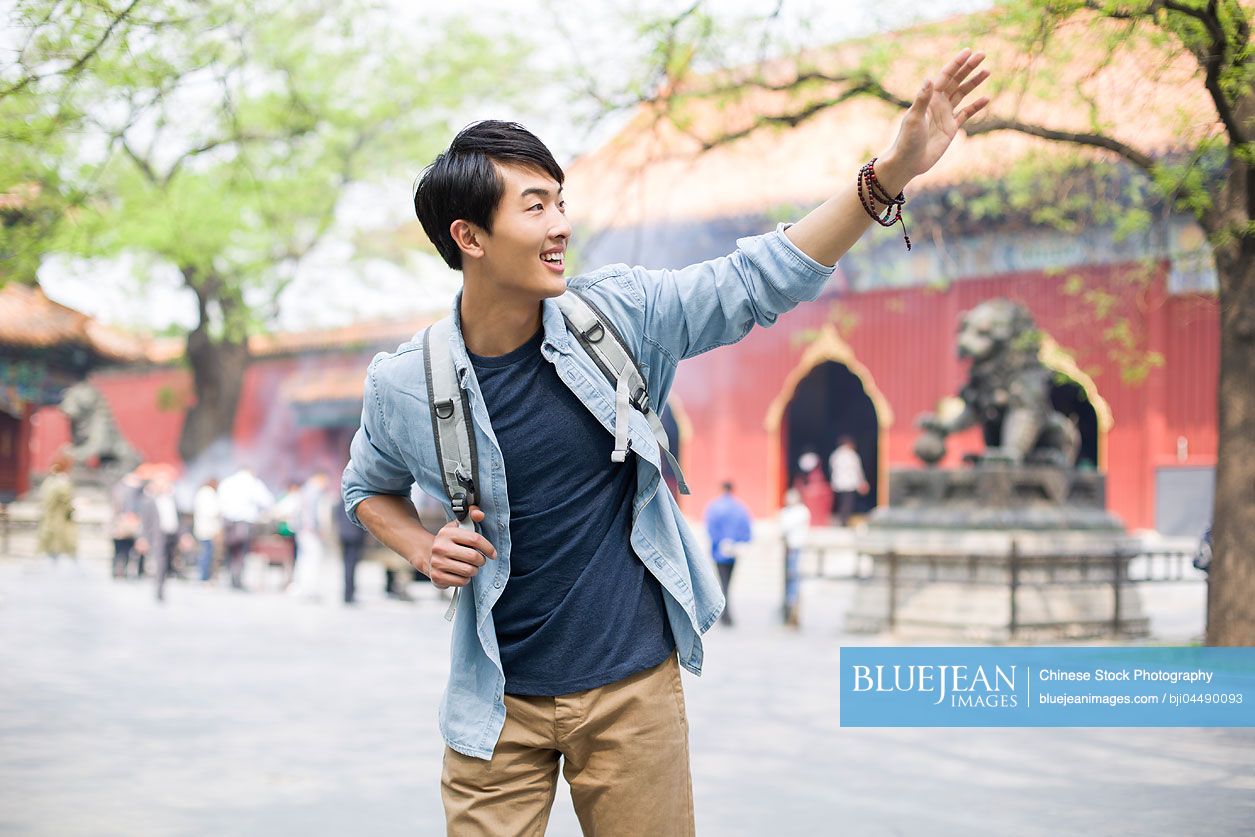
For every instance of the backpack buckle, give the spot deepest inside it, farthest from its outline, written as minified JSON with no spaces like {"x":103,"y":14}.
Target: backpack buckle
{"x":444,"y":409}
{"x":595,"y":334}
{"x":640,"y":399}
{"x":462,"y":501}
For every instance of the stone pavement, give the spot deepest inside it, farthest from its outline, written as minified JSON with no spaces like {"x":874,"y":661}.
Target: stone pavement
{"x":257,"y":714}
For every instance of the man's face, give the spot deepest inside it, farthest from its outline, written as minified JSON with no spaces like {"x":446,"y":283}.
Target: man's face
{"x":526,"y":251}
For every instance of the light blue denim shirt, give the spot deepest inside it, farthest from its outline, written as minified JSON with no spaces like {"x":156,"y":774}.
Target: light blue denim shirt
{"x":664,"y":316}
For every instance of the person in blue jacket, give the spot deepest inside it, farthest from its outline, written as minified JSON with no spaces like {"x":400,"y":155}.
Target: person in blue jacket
{"x":728,"y":524}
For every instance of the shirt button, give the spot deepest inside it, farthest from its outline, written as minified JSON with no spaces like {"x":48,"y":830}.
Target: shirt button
{"x":497,"y":583}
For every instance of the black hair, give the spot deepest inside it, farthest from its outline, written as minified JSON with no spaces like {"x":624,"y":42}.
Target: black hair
{"x":727,"y":487}
{"x":463,"y":182}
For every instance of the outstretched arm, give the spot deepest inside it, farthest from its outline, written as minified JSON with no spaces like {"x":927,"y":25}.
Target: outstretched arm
{"x":924,"y":134}
{"x":717,"y":302}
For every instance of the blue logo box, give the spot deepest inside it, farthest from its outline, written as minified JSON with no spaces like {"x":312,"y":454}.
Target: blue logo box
{"x":1047,"y":687}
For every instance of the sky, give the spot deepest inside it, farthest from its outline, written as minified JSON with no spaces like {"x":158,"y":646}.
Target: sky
{"x":331,"y":288}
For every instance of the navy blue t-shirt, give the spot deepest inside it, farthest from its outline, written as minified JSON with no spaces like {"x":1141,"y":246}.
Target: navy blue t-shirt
{"x":580,"y":609}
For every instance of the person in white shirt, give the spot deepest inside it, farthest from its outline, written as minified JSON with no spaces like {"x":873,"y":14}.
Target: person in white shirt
{"x":206,"y":525}
{"x":312,"y":521}
{"x":848,"y":480}
{"x":795,"y":524}
{"x":243,"y":500}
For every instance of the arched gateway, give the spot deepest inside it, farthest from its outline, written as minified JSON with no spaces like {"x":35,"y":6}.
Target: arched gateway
{"x":828,"y":394}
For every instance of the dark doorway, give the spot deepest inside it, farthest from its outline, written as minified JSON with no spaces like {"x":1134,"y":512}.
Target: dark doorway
{"x":828,"y":403}
{"x":1070,"y":399}
{"x":11,"y":482}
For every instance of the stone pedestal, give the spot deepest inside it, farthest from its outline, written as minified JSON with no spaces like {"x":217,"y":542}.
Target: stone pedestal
{"x":997,"y":553}
{"x":999,"y":497}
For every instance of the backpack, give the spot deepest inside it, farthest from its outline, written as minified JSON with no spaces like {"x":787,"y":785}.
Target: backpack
{"x":450,"y":409}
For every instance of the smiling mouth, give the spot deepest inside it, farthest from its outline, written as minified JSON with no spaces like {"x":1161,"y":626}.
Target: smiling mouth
{"x":554,"y":261}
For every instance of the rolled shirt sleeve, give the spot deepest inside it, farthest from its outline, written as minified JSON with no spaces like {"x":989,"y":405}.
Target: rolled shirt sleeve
{"x":375,"y":464}
{"x":717,"y":302}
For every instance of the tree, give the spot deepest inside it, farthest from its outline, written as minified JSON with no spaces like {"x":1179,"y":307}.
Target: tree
{"x":56,"y":48}
{"x":1051,"y":50}
{"x":217,"y":138}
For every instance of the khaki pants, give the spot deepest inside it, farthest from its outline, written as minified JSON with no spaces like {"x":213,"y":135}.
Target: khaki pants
{"x":624,"y":752}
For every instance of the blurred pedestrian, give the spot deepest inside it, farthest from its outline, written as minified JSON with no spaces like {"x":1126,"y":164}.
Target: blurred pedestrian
{"x":848,"y":480}
{"x":352,"y":540}
{"x":397,"y":577}
{"x":795,"y":524}
{"x":286,"y":513}
{"x":312,"y":535}
{"x":813,"y":486}
{"x":206,"y":526}
{"x":244,"y":501}
{"x":152,"y":532}
{"x":124,"y":500}
{"x":1202,"y":555}
{"x":168,"y":515}
{"x":727,"y":523}
{"x":57,"y":534}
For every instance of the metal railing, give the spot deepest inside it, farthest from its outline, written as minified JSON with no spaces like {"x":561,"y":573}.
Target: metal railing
{"x":1015,"y":569}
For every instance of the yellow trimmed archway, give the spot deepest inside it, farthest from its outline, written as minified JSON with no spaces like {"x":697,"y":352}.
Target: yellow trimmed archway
{"x":1053,"y":357}
{"x":828,"y":347}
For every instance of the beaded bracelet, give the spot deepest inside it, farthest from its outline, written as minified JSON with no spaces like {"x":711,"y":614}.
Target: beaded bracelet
{"x":868,"y":188}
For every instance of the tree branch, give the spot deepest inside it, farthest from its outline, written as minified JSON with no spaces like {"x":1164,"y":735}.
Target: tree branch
{"x":1212,"y":59}
{"x":1138,"y":158}
{"x":869,"y":88}
{"x":30,"y":79}
{"x":1212,"y":66}
{"x":241,"y":139}
{"x":863,"y":81}
{"x":140,"y":163}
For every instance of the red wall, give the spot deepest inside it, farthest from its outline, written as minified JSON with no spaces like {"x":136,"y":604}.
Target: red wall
{"x":906,"y":340}
{"x":144,"y":403}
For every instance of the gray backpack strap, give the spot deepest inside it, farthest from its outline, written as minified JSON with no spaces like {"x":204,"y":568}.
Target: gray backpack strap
{"x":451,"y":427}
{"x":606,"y":347}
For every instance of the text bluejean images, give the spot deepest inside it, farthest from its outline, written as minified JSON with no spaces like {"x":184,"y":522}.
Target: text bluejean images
{"x":1047,"y":687}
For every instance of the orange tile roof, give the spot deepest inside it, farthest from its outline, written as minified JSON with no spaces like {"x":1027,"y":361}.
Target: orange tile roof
{"x":653,"y":172}
{"x":364,"y":335}
{"x":30,"y":320}
{"x":325,"y":385}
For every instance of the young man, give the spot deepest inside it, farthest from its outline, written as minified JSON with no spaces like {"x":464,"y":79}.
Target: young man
{"x":583,"y":584}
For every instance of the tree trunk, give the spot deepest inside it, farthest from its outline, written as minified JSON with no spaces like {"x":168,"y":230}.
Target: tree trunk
{"x":1231,"y":588}
{"x":218,"y":368}
{"x":218,"y":375}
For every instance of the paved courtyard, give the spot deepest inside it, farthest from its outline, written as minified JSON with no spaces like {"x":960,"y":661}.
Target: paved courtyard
{"x":257,"y":714}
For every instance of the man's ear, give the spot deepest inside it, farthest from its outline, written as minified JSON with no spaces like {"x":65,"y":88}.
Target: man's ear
{"x":466,"y":236}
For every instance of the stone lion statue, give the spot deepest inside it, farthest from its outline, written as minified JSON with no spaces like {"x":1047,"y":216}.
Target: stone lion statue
{"x":93,"y":432}
{"x":1007,"y":393}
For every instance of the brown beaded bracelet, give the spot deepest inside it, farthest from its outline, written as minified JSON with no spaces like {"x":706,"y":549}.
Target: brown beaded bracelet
{"x":869,"y":188}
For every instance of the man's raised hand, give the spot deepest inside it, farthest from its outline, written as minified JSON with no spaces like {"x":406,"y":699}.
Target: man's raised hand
{"x":937,"y":114}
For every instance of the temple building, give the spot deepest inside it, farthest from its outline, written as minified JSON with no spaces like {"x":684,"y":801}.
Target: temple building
{"x":1127,"y":314}
{"x":45,"y":348}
